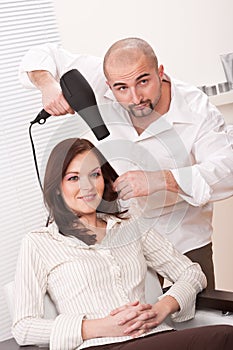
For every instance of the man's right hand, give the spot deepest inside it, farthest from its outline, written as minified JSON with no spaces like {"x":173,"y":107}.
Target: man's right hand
{"x":52,"y":98}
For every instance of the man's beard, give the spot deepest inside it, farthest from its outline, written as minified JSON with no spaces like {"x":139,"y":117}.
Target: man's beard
{"x":147,"y":110}
{"x":144,"y":112}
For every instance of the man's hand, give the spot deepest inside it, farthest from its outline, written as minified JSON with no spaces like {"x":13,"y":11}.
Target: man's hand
{"x":144,"y":183}
{"x":52,"y":98}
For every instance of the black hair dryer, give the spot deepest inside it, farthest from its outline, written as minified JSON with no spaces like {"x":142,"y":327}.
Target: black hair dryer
{"x":81,"y":98}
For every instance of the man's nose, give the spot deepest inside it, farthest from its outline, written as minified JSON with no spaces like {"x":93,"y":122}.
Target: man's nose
{"x":135,"y":96}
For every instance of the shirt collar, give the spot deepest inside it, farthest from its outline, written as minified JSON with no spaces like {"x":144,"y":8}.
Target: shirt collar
{"x":53,"y":231}
{"x":179,"y":111}
{"x":109,"y":94}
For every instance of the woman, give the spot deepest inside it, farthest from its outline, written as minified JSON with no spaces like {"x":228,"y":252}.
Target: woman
{"x":92,"y":260}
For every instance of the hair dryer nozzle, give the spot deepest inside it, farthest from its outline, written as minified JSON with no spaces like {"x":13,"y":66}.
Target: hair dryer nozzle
{"x":81,"y":98}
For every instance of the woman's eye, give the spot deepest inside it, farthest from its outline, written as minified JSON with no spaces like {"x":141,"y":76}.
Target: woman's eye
{"x":73,"y":178}
{"x":95,"y":174}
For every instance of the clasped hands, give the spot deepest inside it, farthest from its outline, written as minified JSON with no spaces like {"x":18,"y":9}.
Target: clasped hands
{"x":135,"y":319}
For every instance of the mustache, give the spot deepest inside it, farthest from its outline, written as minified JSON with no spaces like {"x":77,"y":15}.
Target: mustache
{"x":132,"y":105}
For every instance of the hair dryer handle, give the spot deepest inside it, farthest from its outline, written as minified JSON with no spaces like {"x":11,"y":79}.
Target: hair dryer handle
{"x":41,"y":117}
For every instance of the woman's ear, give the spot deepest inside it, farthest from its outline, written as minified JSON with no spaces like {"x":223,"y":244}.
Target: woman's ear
{"x":58,"y":192}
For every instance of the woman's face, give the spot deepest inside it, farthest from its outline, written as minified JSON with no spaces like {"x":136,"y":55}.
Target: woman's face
{"x":83,"y":184}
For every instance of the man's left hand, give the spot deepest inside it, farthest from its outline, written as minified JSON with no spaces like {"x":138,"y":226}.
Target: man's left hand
{"x":139,"y":183}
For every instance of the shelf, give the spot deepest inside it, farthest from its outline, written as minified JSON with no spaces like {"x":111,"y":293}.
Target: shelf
{"x":222,"y":99}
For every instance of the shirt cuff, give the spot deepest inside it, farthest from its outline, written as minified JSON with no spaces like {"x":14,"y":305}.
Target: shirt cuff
{"x":67,"y":332}
{"x":196,"y":190}
{"x":185,"y":295}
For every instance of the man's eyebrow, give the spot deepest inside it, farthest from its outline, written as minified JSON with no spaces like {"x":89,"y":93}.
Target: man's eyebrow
{"x":138,"y":78}
{"x":142,"y":76}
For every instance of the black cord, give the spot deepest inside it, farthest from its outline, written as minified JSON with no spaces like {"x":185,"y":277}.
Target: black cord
{"x":34,"y":157}
{"x":36,"y":166}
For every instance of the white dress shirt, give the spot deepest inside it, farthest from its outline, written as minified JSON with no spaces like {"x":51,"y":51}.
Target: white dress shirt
{"x":191,"y":140}
{"x":87,"y":282}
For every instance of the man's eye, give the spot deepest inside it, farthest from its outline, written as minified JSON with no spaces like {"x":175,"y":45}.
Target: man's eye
{"x":143,"y":82}
{"x":122,"y":88}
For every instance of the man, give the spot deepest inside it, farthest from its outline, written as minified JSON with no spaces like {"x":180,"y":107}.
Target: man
{"x":169,"y":144}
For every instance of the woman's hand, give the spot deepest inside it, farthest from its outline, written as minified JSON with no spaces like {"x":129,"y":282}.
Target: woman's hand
{"x":141,"y":318}
{"x":134,"y":318}
{"x":117,"y":323}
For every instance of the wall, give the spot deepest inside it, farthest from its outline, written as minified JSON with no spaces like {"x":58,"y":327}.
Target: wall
{"x":188,"y":37}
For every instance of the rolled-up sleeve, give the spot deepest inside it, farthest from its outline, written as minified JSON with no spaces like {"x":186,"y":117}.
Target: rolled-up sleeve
{"x":211,"y":177}
{"x":187,"y":277}
{"x":41,"y":57}
{"x":56,"y":60}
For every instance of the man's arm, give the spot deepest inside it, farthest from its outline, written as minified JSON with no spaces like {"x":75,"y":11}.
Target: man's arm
{"x":44,"y":65}
{"x":52,"y":98}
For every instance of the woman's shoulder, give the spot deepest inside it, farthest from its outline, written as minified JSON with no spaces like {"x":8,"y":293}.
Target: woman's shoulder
{"x":42,"y":233}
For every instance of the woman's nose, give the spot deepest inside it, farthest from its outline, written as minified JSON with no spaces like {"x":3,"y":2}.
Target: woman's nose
{"x":85,"y":183}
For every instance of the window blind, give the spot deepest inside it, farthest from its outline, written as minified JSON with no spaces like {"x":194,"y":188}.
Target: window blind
{"x":22,"y":24}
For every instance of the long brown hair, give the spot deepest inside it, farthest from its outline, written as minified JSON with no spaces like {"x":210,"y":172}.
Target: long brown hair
{"x":67,"y":221}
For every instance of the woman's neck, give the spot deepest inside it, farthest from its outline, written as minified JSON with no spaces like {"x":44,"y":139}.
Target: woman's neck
{"x":96,"y":225}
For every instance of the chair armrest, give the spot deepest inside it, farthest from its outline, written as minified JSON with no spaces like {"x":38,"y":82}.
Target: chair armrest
{"x":215,"y":299}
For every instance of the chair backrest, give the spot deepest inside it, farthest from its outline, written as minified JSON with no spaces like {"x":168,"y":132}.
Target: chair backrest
{"x":50,"y":311}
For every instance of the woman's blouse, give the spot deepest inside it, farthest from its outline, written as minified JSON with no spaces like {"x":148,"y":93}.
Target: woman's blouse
{"x":87,"y":282}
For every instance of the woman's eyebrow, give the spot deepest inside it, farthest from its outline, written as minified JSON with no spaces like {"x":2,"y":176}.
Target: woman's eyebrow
{"x":72,"y":172}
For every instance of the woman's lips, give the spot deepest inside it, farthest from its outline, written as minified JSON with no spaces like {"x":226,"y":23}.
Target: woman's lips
{"x":88,"y":197}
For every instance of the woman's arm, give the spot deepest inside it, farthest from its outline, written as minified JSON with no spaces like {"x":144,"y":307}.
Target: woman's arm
{"x":187,"y":277}
{"x":29,"y":327}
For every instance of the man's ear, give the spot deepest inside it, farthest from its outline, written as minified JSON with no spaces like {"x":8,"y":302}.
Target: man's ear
{"x":161,"y":71}
{"x":108,"y":85}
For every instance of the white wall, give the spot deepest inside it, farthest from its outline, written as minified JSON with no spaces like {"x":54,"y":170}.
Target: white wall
{"x":188,"y":37}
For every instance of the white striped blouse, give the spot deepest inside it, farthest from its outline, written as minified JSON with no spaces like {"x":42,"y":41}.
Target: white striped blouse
{"x":90,"y":281}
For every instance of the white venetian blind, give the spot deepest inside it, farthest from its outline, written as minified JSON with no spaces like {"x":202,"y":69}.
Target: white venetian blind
{"x":22,"y":24}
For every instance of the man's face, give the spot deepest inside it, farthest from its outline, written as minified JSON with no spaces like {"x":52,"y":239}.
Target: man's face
{"x":136,"y":86}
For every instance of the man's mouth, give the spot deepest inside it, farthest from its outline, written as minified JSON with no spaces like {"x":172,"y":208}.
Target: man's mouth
{"x":141,"y":105}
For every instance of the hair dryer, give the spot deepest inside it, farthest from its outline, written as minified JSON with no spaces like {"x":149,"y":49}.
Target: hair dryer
{"x":81,"y":98}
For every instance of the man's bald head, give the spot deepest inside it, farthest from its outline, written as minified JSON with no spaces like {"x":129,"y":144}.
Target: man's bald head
{"x":128,"y":51}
